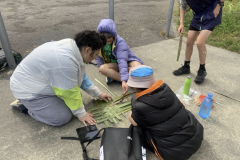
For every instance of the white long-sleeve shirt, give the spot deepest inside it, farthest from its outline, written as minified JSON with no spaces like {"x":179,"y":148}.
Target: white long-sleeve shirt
{"x":54,"y":68}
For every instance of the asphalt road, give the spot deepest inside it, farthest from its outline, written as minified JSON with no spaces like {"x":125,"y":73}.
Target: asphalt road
{"x":30,"y":23}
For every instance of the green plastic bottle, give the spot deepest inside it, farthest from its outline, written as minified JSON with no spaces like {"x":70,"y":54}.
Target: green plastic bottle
{"x":187,"y":86}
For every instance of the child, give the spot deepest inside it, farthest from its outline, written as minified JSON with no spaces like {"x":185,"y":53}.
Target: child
{"x":171,"y":131}
{"x":207,"y":15}
{"x":116,"y":58}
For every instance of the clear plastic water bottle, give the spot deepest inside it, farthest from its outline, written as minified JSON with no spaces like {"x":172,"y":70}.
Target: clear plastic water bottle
{"x":206,"y":106}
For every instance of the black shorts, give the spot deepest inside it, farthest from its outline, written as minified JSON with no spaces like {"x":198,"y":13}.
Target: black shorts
{"x":195,"y":29}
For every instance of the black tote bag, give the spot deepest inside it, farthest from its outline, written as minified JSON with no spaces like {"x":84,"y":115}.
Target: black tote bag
{"x":118,"y":144}
{"x":122,"y":144}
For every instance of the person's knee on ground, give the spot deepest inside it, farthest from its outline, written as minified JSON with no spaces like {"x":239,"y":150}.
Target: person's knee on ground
{"x":59,"y":119}
{"x":50,"y":110}
{"x":62,"y":119}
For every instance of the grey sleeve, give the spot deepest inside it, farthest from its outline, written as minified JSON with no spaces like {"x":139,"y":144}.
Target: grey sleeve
{"x":183,"y":4}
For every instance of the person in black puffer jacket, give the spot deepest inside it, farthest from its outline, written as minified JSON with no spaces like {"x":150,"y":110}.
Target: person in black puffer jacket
{"x":169,"y":130}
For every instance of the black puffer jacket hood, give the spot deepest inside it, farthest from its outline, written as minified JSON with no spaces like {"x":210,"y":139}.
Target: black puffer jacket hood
{"x":175,"y":131}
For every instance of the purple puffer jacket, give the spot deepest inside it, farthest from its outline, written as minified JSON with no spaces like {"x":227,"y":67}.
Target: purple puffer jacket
{"x":121,"y":52}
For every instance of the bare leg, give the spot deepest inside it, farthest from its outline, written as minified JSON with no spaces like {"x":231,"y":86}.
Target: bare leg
{"x":110,"y":70}
{"x":133,"y":64}
{"x":192,"y":35}
{"x":201,"y":40}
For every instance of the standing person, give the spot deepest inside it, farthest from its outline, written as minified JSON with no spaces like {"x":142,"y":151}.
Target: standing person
{"x":170,"y":131}
{"x":116,"y":57}
{"x":47,"y":82}
{"x":207,"y":15}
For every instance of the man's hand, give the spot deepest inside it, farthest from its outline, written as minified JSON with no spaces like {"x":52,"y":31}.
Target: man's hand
{"x":87,"y":118}
{"x":125,"y":87}
{"x":181,"y":28}
{"x":105,"y":97}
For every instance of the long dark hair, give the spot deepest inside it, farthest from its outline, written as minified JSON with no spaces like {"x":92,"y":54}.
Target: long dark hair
{"x":90,"y":39}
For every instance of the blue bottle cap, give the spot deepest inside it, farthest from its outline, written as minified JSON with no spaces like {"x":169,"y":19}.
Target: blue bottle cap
{"x":210,"y":95}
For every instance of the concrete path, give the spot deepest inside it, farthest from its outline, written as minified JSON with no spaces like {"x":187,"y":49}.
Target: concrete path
{"x":24,"y":138}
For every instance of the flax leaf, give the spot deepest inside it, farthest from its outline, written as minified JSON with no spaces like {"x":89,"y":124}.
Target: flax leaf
{"x":102,"y":120}
{"x":118,"y":117}
{"x":106,"y":88}
{"x":123,"y":104}
{"x":106,"y":124}
{"x":224,"y":95}
{"x":115,"y":121}
{"x":110,"y":119}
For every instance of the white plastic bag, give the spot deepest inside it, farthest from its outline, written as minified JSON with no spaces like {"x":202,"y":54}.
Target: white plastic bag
{"x":185,"y":98}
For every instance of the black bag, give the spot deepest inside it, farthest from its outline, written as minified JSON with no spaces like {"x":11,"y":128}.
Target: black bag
{"x":122,"y":144}
{"x":118,"y":144}
{"x":3,"y":60}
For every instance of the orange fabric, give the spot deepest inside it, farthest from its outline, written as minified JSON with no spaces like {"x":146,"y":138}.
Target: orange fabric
{"x":156,"y":151}
{"x":156,"y":85}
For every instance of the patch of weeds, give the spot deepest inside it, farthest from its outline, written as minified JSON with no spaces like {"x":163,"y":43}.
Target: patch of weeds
{"x":235,"y":48}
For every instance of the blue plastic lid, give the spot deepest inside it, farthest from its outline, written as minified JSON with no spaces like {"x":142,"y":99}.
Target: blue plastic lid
{"x":209,"y":95}
{"x":142,"y":72}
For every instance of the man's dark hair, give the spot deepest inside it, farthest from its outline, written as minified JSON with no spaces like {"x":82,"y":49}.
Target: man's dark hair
{"x":89,"y":39}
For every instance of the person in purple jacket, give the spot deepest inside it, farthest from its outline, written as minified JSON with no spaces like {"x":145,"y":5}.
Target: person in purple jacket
{"x":115,"y":58}
{"x":207,"y":15}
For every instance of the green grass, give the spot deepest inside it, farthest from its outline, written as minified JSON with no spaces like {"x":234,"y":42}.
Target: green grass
{"x":227,"y":34}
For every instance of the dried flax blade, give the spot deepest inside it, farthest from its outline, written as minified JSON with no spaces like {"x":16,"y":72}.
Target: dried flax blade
{"x":180,"y":46}
{"x":105,"y":87}
{"x":106,"y":124}
{"x":224,"y":95}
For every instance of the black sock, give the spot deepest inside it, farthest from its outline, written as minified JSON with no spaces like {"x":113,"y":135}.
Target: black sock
{"x":202,"y":67}
{"x":187,"y":64}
